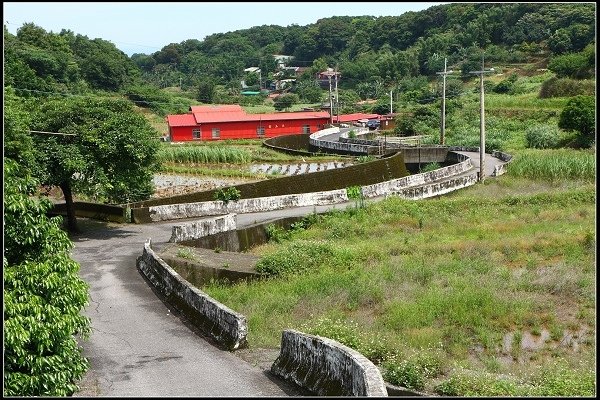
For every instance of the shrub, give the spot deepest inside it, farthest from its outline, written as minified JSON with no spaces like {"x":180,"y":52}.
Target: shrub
{"x":431,"y":167}
{"x":413,"y":372}
{"x":43,"y":297}
{"x":227,"y":194}
{"x":579,"y":115}
{"x":542,"y":136}
{"x":573,"y":65}
{"x":566,"y":87}
{"x":507,"y":85}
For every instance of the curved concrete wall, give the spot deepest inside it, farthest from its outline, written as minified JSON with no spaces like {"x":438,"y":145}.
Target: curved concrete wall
{"x":501,"y":169}
{"x":223,"y":324}
{"x":207,"y":208}
{"x":438,"y":188}
{"x":326,"y":367}
{"x":205,"y":227}
{"x":396,"y":185}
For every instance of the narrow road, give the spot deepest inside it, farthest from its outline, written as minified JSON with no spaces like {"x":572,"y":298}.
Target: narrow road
{"x":139,"y":346}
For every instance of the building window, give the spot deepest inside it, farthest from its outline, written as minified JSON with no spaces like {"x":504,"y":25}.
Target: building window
{"x":196,"y":133}
{"x":306,"y":129}
{"x":260,"y":131}
{"x":216,"y":133}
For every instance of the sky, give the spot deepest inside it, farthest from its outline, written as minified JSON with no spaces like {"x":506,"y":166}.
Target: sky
{"x":144,"y":27}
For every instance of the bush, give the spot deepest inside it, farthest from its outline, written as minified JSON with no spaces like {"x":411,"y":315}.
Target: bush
{"x":580,"y":115}
{"x":573,"y":65}
{"x":507,"y":85}
{"x":542,"y":136}
{"x":413,"y":372}
{"x":227,"y":194}
{"x":43,"y":296}
{"x":566,"y":87}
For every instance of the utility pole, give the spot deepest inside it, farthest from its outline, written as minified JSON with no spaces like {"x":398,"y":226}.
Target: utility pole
{"x":330,"y":100}
{"x":481,"y":118}
{"x":337,"y":98}
{"x":391,"y":111}
{"x":443,"y":125}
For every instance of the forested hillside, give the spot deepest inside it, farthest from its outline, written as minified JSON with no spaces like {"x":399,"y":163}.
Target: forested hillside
{"x":373,"y":54}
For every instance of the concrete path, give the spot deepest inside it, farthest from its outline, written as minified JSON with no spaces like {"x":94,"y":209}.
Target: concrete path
{"x":139,"y":346}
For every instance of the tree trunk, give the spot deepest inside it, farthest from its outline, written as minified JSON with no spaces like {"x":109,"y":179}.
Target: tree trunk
{"x":71,"y":219}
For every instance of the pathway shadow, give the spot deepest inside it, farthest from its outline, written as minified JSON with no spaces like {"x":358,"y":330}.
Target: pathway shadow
{"x":99,"y":230}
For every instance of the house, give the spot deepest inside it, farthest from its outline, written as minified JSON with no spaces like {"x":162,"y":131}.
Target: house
{"x":215,"y":122}
{"x":354,"y":118}
{"x":325,"y":77}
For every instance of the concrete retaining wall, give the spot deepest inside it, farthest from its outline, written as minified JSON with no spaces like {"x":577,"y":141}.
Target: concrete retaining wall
{"x":326,"y":367}
{"x":217,"y":320}
{"x":437,"y":189}
{"x":198,"y":229}
{"x":396,"y":185}
{"x":502,"y":168}
{"x":208,"y":208}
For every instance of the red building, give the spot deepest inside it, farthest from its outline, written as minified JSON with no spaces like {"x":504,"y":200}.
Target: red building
{"x":232,"y":122}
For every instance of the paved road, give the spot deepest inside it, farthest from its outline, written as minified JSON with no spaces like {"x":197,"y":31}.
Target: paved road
{"x":139,"y":346}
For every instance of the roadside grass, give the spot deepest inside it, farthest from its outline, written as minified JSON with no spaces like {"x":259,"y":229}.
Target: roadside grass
{"x":429,"y":288}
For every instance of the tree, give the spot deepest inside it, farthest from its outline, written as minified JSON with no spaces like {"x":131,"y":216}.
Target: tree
{"x":43,"y":295}
{"x":579,"y":115}
{"x":110,"y":153}
{"x":285,"y":101}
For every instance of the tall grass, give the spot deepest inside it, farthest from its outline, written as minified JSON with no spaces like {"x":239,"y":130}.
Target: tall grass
{"x":554,"y":165}
{"x":203,"y":155}
{"x":447,"y":274}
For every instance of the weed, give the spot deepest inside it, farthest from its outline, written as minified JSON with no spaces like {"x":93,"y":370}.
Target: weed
{"x":186,"y":253}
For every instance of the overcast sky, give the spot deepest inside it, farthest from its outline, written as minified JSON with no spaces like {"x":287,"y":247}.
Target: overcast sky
{"x":145,"y":27}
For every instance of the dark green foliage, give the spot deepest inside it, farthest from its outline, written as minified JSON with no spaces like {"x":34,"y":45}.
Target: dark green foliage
{"x":285,"y":101}
{"x":580,"y":115}
{"x":228,"y":194}
{"x":43,"y":296}
{"x":574,"y":65}
{"x":423,"y":119}
{"x":111,"y":155}
{"x":507,"y":85}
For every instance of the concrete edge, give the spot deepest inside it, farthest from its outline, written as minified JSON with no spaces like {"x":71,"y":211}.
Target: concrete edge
{"x":326,"y":367}
{"x":226,"y":326}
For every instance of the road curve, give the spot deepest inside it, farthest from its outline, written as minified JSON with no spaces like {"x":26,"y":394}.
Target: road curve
{"x":139,"y":346}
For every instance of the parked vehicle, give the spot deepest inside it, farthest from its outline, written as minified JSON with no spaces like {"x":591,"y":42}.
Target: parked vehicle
{"x":373,"y":124}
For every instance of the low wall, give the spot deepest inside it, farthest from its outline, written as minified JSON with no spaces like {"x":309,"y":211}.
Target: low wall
{"x":502,"y":168}
{"x":437,"y":189}
{"x":104,"y":212}
{"x":198,"y":229}
{"x":383,"y":188}
{"x":223,"y":324}
{"x":290,"y":144}
{"x":326,"y":367}
{"x":243,"y":206}
{"x":333,"y":179}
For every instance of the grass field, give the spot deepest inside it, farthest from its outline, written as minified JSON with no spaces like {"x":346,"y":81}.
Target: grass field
{"x":436,"y":290}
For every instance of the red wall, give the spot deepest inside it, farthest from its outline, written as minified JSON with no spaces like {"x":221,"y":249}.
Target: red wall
{"x":246,"y":129}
